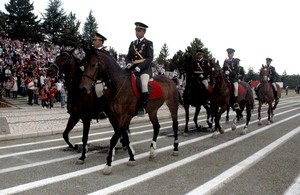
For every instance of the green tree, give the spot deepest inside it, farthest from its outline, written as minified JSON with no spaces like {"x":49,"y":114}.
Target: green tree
{"x":90,"y":27}
{"x":251,"y":75}
{"x":163,"y":56}
{"x":71,"y":36}
{"x":54,"y":21}
{"x":20,"y":22}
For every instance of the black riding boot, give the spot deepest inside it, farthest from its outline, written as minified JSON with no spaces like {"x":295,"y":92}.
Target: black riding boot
{"x":236,"y":105}
{"x":143,"y":104}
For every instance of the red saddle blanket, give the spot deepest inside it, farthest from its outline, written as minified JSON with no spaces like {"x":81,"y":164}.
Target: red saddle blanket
{"x":241,"y":89}
{"x":154,"y":89}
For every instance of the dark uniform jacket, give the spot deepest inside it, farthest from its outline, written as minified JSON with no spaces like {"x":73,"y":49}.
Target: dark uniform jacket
{"x":201,"y":67}
{"x":233,"y":67}
{"x":273,"y":74}
{"x":141,"y":55}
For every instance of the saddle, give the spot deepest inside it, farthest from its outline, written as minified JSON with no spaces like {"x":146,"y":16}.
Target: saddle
{"x":155,"y":90}
{"x":241,"y":89}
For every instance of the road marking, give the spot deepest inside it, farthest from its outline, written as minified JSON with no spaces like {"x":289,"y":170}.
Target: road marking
{"x":146,"y":176}
{"x":162,"y":170}
{"x":294,"y":189}
{"x":228,"y":175}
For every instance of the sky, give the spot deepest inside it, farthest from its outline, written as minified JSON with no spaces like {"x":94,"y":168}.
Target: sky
{"x":256,"y":29}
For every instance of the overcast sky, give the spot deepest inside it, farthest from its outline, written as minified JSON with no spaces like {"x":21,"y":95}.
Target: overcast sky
{"x":256,"y":29}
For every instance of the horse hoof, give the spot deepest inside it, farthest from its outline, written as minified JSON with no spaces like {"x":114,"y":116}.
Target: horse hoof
{"x":214,"y":135}
{"x":233,"y":127}
{"x":131,"y":163}
{"x":175,"y":153}
{"x":269,"y":122}
{"x":259,"y":122}
{"x":185,"y":134}
{"x":80,"y":162}
{"x":244,"y":132}
{"x":106,"y":170}
{"x":221,"y":131}
{"x":153,"y":153}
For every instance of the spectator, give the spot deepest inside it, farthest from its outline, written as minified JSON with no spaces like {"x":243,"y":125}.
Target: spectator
{"x":62,"y":96}
{"x":30,"y":87}
{"x":52,"y":92}
{"x":43,"y":96}
{"x":14,"y":84}
{"x":8,"y":86}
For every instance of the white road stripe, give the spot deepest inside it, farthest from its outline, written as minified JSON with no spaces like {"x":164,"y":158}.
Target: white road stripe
{"x":217,"y":182}
{"x":294,"y":189}
{"x":162,"y":170}
{"x":125,"y":184}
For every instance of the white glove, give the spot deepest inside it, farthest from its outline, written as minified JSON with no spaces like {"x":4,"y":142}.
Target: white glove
{"x":137,"y":69}
{"x":226,"y":72}
{"x":129,"y":65}
{"x":201,"y":76}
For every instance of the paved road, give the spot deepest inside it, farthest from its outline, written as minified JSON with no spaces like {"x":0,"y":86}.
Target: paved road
{"x":264,"y":161}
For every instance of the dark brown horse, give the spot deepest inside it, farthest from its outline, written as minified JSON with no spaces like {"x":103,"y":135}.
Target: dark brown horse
{"x":194,"y":95}
{"x":266,"y":95}
{"x":124,"y":100}
{"x":221,"y":98}
{"x":80,"y":106}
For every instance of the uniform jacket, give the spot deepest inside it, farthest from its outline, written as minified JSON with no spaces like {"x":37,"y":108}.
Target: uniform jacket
{"x":233,"y":67}
{"x":143,"y":50}
{"x":273,"y":74}
{"x":201,"y":66}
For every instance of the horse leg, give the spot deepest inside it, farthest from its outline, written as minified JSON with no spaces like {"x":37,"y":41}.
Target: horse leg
{"x":72,"y":121}
{"x":113,"y":142}
{"x":270,"y":113}
{"x":154,"y":120}
{"x":197,"y":111}
{"x":209,"y":118}
{"x":130,"y":149}
{"x":249,"y":111}
{"x":227,"y":115}
{"x":258,"y":111}
{"x":173,"y":108}
{"x":187,"y":118}
{"x":85,"y":136}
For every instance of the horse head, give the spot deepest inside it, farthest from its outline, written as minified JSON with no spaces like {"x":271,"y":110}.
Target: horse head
{"x":264,"y":72}
{"x":70,"y":67}
{"x":215,"y":73}
{"x":98,"y":66}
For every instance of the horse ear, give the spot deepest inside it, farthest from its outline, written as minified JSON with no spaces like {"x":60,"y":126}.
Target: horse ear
{"x":262,"y":65}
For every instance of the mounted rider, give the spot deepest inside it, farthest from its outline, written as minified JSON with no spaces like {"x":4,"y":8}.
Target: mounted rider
{"x":201,"y":69}
{"x":272,"y":77}
{"x":139,"y":60}
{"x":98,"y":41}
{"x":231,"y":70}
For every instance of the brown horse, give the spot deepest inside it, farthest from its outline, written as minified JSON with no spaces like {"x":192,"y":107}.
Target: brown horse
{"x":222,"y":98}
{"x":124,"y":99}
{"x":266,"y":95}
{"x":80,"y":106}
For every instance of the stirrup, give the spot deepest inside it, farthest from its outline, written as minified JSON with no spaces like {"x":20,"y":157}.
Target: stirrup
{"x":236,"y":106}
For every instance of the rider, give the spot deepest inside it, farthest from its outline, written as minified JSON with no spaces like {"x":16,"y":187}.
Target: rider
{"x":139,"y":59}
{"x":98,"y":41}
{"x":201,"y":70}
{"x":231,"y":69}
{"x":273,"y":76}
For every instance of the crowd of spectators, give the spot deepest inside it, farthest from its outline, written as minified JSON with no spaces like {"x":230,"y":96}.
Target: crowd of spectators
{"x":23,"y":72}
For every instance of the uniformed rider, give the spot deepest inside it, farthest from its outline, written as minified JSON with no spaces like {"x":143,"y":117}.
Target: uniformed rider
{"x":201,"y":70}
{"x":273,"y":76}
{"x":139,"y":60}
{"x":231,"y":69}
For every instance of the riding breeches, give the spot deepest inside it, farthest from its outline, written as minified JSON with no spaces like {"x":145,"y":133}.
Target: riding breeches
{"x":144,"y":80}
{"x":236,"y":89}
{"x":274,"y":85}
{"x":205,"y":83}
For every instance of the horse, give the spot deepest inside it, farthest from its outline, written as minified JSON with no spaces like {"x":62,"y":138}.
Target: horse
{"x":124,"y":98}
{"x":221,"y":98}
{"x":80,"y":106}
{"x":266,"y":95}
{"x":193,"y":95}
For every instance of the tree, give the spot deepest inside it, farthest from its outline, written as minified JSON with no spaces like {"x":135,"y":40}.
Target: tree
{"x":20,"y":22}
{"x":163,"y":55}
{"x":71,"y":36}
{"x":54,"y":21}
{"x":90,"y":27}
{"x":251,"y":75}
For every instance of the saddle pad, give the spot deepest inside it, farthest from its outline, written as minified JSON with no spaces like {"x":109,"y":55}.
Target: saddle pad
{"x":154,"y":88}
